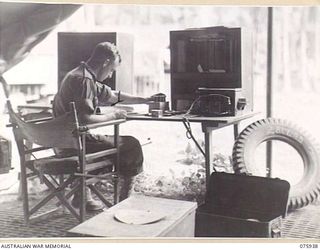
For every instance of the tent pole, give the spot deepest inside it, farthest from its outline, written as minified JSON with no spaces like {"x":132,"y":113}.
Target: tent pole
{"x":269,"y":89}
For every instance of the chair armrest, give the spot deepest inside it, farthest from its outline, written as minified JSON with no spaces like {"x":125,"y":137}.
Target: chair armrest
{"x":104,"y":124}
{"x":32,"y":150}
{"x":33,"y":121}
{"x":40,"y":120}
{"x":35,"y":106}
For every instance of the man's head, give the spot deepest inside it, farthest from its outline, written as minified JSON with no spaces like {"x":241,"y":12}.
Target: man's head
{"x":105,"y":58}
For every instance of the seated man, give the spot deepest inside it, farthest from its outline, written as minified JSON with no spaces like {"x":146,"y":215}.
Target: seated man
{"x":83,"y":86}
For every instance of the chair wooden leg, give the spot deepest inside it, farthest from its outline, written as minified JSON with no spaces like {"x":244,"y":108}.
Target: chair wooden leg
{"x":24,"y":191}
{"x":61,"y":181}
{"x":43,"y":202}
{"x":54,"y":191}
{"x":83,"y":199}
{"x":45,"y":215}
{"x":69,"y":194}
{"x":61,"y":197}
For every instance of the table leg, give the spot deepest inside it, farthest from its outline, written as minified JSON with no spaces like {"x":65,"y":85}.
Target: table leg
{"x":235,"y":130}
{"x":208,"y":154}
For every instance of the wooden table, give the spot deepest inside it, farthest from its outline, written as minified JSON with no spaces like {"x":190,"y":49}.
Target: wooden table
{"x":208,"y":124}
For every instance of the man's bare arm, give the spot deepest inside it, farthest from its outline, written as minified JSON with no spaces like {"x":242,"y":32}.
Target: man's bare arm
{"x":92,"y":118}
{"x":126,"y":98}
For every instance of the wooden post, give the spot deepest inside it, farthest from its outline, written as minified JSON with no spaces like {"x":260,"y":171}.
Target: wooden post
{"x":317,"y":44}
{"x":269,"y":86}
{"x":305,"y":84}
{"x":286,"y":50}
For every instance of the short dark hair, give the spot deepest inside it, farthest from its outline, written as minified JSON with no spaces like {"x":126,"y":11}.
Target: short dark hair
{"x":104,"y":51}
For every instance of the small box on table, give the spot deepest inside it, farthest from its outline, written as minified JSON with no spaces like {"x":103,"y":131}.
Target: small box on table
{"x":179,"y":219}
{"x":242,"y":206}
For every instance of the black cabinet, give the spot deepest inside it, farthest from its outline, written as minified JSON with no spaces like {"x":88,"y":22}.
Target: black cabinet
{"x":210,"y":58}
{"x":74,"y":47}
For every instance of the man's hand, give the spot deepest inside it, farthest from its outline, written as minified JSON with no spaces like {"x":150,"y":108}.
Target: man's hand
{"x":160,"y":97}
{"x":120,"y":114}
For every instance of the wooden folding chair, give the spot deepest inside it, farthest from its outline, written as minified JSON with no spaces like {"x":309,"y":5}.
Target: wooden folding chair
{"x":62,"y":132}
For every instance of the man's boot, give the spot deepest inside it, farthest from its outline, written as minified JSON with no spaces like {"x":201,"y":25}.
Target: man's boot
{"x":126,"y":183}
{"x":91,"y":204}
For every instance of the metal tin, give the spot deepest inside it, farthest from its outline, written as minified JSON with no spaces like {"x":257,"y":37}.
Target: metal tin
{"x":156,"y":113}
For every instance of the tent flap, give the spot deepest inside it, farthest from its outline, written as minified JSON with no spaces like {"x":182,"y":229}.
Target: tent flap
{"x":24,"y":25}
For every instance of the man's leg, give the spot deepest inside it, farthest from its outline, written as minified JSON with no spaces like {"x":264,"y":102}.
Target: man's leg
{"x":126,"y":183}
{"x":131,"y":158}
{"x":91,"y":205}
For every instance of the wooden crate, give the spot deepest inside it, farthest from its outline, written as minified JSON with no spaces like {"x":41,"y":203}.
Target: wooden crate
{"x":179,"y":220}
{"x":5,"y":155}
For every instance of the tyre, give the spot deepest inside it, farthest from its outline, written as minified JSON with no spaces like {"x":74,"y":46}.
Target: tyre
{"x":307,"y":190}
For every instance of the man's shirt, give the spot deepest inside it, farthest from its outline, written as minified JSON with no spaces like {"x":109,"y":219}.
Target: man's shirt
{"x":79,"y":86}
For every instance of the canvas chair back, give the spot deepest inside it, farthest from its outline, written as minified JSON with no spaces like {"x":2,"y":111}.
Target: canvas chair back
{"x":60,"y":132}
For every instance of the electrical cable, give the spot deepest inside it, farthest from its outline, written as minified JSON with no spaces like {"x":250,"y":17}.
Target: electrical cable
{"x":189,"y":134}
{"x":187,"y":125}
